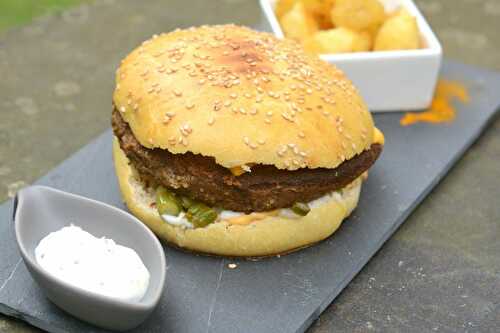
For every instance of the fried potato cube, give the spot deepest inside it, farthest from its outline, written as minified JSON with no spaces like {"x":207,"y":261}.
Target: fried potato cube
{"x":298,"y":24}
{"x":358,"y":14}
{"x":321,"y":11}
{"x":399,"y":32}
{"x":338,"y":40}
{"x":283,"y":7}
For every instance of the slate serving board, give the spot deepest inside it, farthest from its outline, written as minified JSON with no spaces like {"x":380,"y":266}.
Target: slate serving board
{"x":279,"y":294}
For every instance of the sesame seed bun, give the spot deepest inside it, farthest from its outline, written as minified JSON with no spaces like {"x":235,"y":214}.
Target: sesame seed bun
{"x":242,"y":97}
{"x":269,"y":236}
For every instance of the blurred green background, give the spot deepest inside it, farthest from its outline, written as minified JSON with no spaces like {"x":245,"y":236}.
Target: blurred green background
{"x":18,"y":12}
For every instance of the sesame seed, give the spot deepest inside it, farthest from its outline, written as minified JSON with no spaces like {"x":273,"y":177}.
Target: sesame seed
{"x":253,"y":111}
{"x":243,"y":111}
{"x":261,"y":141}
{"x":303,"y":154}
{"x":177,"y":93}
{"x":232,"y":266}
{"x":211,"y":121}
{"x":170,"y":114}
{"x":326,"y":113}
{"x":269,"y":113}
{"x":189,"y":105}
{"x":267,"y":121}
{"x":246,"y":140}
{"x":301,"y":135}
{"x":227,"y":103}
{"x":287,"y":117}
{"x":233,"y":95}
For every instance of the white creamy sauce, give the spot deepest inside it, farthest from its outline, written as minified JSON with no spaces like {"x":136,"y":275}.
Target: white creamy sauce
{"x":95,"y":264}
{"x":179,"y":220}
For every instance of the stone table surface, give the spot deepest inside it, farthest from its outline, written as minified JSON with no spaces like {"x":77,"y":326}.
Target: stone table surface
{"x":439,"y":272}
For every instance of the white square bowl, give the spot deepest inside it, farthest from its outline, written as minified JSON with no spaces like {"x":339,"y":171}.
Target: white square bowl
{"x":387,"y":80}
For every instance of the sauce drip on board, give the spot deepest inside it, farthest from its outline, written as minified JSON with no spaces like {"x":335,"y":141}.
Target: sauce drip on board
{"x":441,"y":109}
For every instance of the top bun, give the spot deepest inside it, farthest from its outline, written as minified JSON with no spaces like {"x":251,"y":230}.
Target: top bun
{"x":242,"y":97}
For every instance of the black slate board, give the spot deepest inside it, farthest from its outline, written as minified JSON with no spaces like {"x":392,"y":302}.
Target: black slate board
{"x":280,"y":294}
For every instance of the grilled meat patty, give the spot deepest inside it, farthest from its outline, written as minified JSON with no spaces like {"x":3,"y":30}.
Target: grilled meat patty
{"x":264,"y":188}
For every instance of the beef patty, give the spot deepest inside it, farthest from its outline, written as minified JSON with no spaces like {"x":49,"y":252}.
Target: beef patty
{"x":265,"y":188}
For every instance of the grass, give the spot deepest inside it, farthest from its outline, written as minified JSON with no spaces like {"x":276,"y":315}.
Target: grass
{"x":18,"y":12}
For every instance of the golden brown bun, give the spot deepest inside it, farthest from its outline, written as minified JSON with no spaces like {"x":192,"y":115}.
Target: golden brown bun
{"x":241,"y":96}
{"x":272,"y":235}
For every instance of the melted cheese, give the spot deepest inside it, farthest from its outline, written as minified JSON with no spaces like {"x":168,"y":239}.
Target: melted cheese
{"x":239,"y":170}
{"x":250,"y":218}
{"x":378,"y":137}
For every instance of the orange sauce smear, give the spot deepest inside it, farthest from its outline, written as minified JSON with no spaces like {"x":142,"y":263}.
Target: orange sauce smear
{"x":441,"y":109}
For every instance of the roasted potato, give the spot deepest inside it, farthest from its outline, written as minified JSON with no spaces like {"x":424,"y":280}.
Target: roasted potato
{"x":321,"y":11}
{"x":338,"y":40}
{"x":283,"y":7}
{"x":298,"y":23}
{"x":399,"y":32}
{"x":358,"y":14}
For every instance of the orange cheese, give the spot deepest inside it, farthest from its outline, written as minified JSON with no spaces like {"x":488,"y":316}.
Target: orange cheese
{"x":237,"y":171}
{"x":250,"y":218}
{"x":378,"y":136}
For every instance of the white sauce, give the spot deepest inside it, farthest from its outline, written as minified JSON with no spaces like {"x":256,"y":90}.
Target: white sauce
{"x":179,"y":220}
{"x":95,"y":264}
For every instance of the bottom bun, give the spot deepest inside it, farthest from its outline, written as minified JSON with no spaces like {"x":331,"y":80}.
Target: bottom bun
{"x":270,"y":236}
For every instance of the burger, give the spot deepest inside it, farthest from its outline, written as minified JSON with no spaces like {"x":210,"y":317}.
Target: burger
{"x":232,"y":142}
